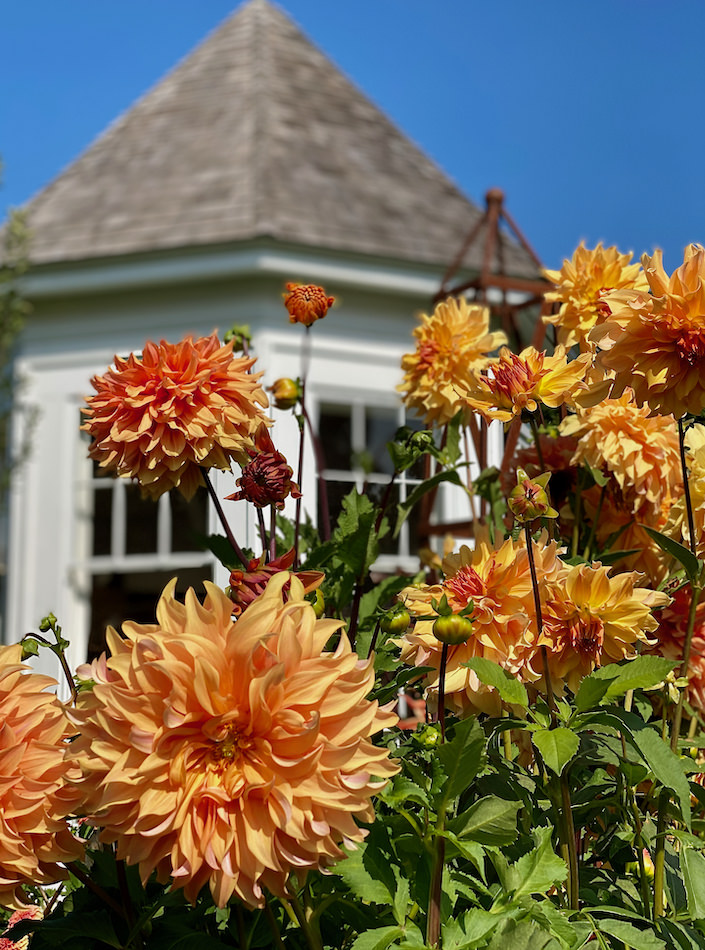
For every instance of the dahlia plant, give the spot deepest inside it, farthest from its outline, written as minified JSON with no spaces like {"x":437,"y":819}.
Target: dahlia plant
{"x":504,"y":750}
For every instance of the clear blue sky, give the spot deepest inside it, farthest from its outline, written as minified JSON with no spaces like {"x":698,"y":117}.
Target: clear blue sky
{"x":588,"y":114}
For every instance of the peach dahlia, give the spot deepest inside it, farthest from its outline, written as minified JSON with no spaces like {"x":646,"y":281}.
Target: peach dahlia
{"x":229,"y":753}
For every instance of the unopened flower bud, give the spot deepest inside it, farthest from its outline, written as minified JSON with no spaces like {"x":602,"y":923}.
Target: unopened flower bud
{"x":452,"y":629}
{"x":285,"y":393}
{"x":529,"y":500}
{"x":306,"y":303}
{"x":396,"y":620}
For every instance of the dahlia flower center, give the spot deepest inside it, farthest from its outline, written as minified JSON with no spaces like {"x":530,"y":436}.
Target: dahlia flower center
{"x":230,"y":746}
{"x":515,"y":377}
{"x":602,"y":307}
{"x":586,"y":634}
{"x":690,"y":346}
{"x":464,"y":586}
{"x":427,"y":354}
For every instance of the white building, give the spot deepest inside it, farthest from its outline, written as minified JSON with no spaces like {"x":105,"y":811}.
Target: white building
{"x":254,"y":162}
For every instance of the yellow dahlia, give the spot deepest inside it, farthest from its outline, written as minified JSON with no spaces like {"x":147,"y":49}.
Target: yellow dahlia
{"x":591,"y":619}
{"x":497,"y":579}
{"x":655,"y":342}
{"x":581,"y":286}
{"x":513,"y":383}
{"x":162,"y":416}
{"x":450,"y":344}
{"x":229,"y":753}
{"x":34,"y":796}
{"x":639,"y":450}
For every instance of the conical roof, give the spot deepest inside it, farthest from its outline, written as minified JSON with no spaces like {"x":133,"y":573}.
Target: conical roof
{"x":256,"y":133}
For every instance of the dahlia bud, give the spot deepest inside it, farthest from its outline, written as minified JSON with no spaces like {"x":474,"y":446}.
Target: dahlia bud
{"x":452,"y":629}
{"x":529,"y":500}
{"x":306,"y":303}
{"x":241,"y":337}
{"x":285,"y":393}
{"x":266,"y":480}
{"x":396,"y":620}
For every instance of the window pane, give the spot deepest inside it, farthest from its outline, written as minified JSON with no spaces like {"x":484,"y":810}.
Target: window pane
{"x":380,"y":426}
{"x":335,"y":436}
{"x":102,"y":521}
{"x":189,"y":519}
{"x":133,"y":596}
{"x":141,"y":527}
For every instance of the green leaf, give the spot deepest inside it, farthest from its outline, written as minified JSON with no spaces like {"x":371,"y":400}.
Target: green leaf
{"x":676,"y":550}
{"x":378,"y":939}
{"x":492,"y":674}
{"x":491,"y":821}
{"x":665,"y":766}
{"x":536,"y":871}
{"x":94,"y":925}
{"x":367,"y":873}
{"x":479,"y":923}
{"x":450,"y":453}
{"x":597,"y":476}
{"x":401,"y":898}
{"x":611,"y":681}
{"x":461,"y":758}
{"x":404,"y":509}
{"x":557,"y":746}
{"x":630,"y":935}
{"x":354,"y":534}
{"x":402,"y":790}
{"x":525,"y":935}
{"x":693,"y":867}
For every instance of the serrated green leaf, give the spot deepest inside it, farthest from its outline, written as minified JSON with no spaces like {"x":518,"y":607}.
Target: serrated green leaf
{"x":462,"y":758}
{"x":378,"y":939}
{"x":693,"y":867}
{"x":665,"y":766}
{"x":491,"y":821}
{"x":478,"y":924}
{"x":643,"y":672}
{"x":402,"y":790}
{"x":555,"y":921}
{"x":492,"y":674}
{"x":676,"y":550}
{"x":524,"y":935}
{"x":557,"y":746}
{"x":400,"y":905}
{"x":593,"y":688}
{"x":630,"y":935}
{"x":537,"y":871}
{"x":367,"y":874}
{"x":95,"y":925}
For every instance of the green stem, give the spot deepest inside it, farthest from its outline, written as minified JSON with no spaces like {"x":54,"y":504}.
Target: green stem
{"x":312,"y":938}
{"x":593,"y":527}
{"x":566,"y":815}
{"x":660,"y":856}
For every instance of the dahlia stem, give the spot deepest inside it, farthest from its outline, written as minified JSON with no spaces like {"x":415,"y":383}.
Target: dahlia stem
{"x":96,"y":888}
{"x":320,"y":466}
{"x":223,"y":520}
{"x":593,"y":527}
{"x":686,"y":487}
{"x":312,"y":938}
{"x":539,"y":624}
{"x":272,"y":533}
{"x":305,"y":363}
{"x":273,"y":925}
{"x":566,"y":815}
{"x":263,"y":534}
{"x":442,"y":692}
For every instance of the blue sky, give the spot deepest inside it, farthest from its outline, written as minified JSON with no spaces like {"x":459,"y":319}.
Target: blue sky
{"x":588,"y":114}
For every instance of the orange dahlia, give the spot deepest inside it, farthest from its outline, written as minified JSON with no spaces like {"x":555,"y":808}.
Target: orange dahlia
{"x":582,"y":284}
{"x":230,"y":753}
{"x":306,"y":303}
{"x":655,"y":342}
{"x":591,"y":619}
{"x":450,"y":344}
{"x":641,"y":451}
{"x":513,"y":383}
{"x":162,"y":416}
{"x":498,"y":581}
{"x":34,"y":796}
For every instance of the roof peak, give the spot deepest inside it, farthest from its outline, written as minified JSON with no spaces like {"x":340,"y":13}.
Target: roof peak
{"x":255,"y":133}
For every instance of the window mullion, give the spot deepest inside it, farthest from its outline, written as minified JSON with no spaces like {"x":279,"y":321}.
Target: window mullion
{"x":164,"y":525}
{"x":119,"y":519}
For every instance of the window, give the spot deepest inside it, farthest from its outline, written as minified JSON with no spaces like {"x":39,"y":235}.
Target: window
{"x":133,"y":546}
{"x":354,"y":443}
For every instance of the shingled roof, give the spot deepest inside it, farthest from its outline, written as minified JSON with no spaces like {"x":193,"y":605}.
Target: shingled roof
{"x":255,"y":134}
